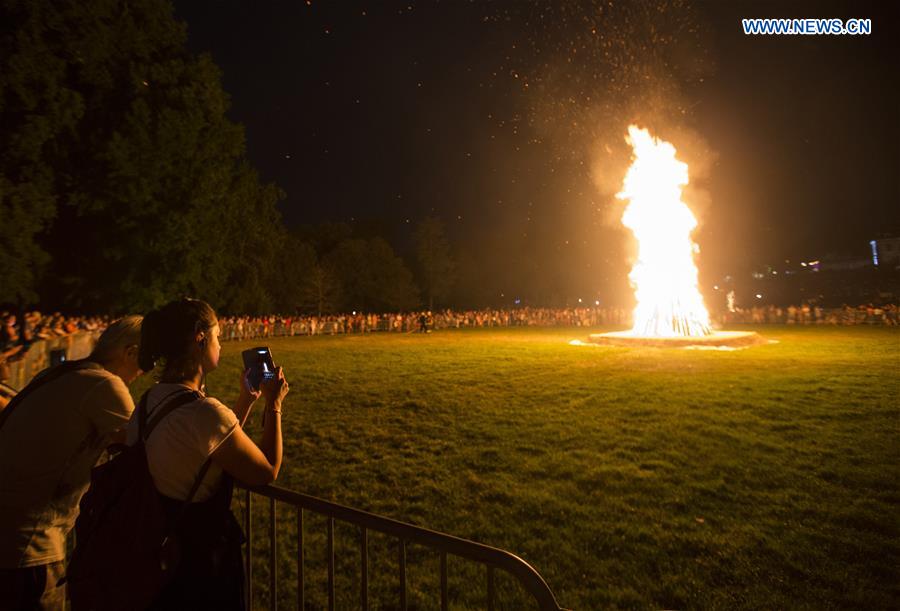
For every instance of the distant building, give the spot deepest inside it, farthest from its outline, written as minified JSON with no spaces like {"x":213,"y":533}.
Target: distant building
{"x":857,"y":259}
{"x":832,"y":262}
{"x":885,"y":252}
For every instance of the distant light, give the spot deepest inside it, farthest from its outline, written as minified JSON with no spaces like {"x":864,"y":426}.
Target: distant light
{"x":517,"y":301}
{"x":774,"y":273}
{"x":758,"y":296}
{"x":803,"y":264}
{"x":579,"y":300}
{"x":716,"y":287}
{"x":597,"y":302}
{"x":874,"y":246}
{"x":354,"y":312}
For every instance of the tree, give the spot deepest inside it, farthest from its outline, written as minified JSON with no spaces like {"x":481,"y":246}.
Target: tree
{"x":324,"y":237}
{"x":320,"y":290}
{"x":261,"y":256}
{"x":108,"y":119}
{"x":372,"y":276}
{"x":36,"y":107}
{"x":435,"y":265}
{"x":295,"y":264}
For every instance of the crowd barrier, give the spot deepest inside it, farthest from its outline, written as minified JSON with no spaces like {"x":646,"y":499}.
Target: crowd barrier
{"x":79,"y":345}
{"x":252,"y":328}
{"x":76,"y":346}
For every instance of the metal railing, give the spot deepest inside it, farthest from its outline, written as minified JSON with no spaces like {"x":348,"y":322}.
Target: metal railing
{"x":23,"y":369}
{"x":493,"y":558}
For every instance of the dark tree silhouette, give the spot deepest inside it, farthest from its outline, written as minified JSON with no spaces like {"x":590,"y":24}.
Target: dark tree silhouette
{"x":435,"y":265}
{"x":115,"y":132}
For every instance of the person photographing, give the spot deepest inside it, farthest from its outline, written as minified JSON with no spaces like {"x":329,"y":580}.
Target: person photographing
{"x":194,"y":452}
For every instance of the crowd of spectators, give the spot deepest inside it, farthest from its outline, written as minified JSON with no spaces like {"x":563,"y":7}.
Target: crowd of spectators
{"x":36,"y":326}
{"x":247,"y":327}
{"x":17,"y":334}
{"x":806,"y":314}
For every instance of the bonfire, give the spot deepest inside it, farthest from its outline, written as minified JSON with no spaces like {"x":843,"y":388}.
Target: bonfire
{"x":670,"y":309}
{"x":664,"y":275}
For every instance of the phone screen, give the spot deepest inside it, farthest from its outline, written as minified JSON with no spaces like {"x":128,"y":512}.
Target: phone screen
{"x":268,"y":367}
{"x":57,"y":357}
{"x":259,"y":362}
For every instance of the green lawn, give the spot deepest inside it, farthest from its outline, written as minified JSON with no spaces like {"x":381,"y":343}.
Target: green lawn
{"x":629,"y":477}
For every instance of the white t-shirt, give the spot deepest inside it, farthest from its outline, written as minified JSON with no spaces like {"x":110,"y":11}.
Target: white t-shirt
{"x":183,"y":440}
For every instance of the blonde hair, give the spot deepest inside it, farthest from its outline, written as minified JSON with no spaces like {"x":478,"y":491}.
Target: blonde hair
{"x":120,"y":334}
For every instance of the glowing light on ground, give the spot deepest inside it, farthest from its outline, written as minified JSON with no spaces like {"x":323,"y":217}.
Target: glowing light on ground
{"x":664,"y":275}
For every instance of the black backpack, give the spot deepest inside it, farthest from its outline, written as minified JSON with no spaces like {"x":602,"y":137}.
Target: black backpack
{"x":125,"y":550}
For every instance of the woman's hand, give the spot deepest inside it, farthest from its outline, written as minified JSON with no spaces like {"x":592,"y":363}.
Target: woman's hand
{"x":276,"y":389}
{"x":247,"y":394}
{"x":246,"y":398}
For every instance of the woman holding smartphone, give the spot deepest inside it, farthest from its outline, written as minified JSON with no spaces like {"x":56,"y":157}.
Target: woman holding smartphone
{"x":184,"y":337}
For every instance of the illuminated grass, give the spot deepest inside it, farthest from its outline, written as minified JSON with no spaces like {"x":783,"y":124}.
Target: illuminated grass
{"x":629,"y":477}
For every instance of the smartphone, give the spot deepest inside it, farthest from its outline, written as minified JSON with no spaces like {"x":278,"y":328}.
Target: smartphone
{"x":57,"y":357}
{"x":259,"y":362}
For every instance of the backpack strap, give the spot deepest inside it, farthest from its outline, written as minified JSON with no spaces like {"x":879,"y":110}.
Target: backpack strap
{"x":197,"y":482}
{"x":44,"y":377}
{"x":170,"y":404}
{"x":179,"y":399}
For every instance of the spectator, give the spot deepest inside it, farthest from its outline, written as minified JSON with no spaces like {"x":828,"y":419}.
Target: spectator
{"x":185,"y":336}
{"x":9,"y":333}
{"x":49,"y":440}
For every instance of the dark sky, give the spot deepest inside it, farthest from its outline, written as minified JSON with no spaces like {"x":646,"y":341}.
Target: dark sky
{"x":507,"y":120}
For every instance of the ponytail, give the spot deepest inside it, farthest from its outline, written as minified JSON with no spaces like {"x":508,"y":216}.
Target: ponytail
{"x":150,"y":351}
{"x":167,"y":335}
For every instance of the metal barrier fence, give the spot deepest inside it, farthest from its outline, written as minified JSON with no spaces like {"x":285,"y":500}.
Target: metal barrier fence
{"x":79,"y":345}
{"x":76,"y":346}
{"x":585,"y":317}
{"x":493,"y":558}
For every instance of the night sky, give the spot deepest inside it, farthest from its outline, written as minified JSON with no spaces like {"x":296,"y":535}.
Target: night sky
{"x":507,"y":121}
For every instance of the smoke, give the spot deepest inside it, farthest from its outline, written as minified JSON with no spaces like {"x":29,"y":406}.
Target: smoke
{"x":598,"y":67}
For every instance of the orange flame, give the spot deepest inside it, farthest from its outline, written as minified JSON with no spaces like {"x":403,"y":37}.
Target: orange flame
{"x":664,"y":276}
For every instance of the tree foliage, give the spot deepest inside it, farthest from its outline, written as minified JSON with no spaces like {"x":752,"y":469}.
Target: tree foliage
{"x":373,"y":277}
{"x":36,"y":107}
{"x":123,"y":184}
{"x":320,"y":291}
{"x":435,"y":265}
{"x":114,"y":130}
{"x":293,"y":263}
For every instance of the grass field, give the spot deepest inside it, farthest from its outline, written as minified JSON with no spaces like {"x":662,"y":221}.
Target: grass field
{"x":766,"y":478}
